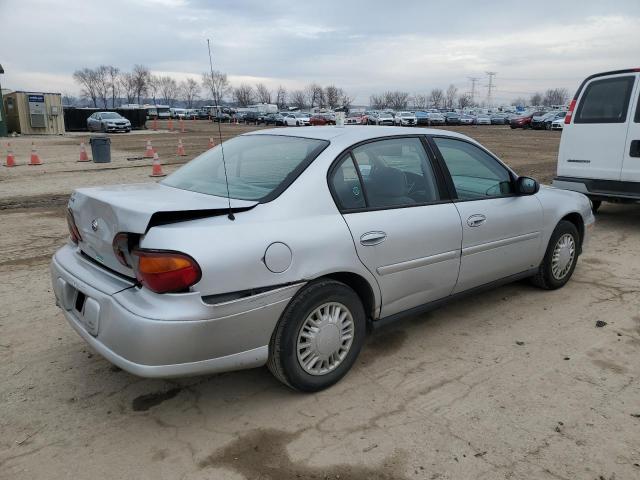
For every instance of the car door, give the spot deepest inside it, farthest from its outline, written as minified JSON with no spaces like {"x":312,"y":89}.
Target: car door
{"x":405,"y":229}
{"x":92,"y":121}
{"x":593,"y":144}
{"x":501,"y":231}
{"x":631,"y":161}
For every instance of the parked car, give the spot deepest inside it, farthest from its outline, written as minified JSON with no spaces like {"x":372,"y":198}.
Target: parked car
{"x":355,"y":119}
{"x":191,"y":114}
{"x":600,"y":145}
{"x":524,"y":121}
{"x":177,"y":112}
{"x":274,"y":119}
{"x":406,"y":119}
{"x":108,"y":122}
{"x":452,"y":118}
{"x":498,"y":119}
{"x":483,"y":119}
{"x":422,"y":118}
{"x":203,"y":114}
{"x":251,"y":117}
{"x":537,"y":121}
{"x":297,"y":119}
{"x":436,"y":118}
{"x":322,"y":119}
{"x":557,"y":124}
{"x":467,"y":119}
{"x":384,"y":118}
{"x":548,"y":122}
{"x":293,"y":283}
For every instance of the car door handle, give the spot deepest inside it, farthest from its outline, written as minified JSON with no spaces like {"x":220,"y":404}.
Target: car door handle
{"x":634,"y":151}
{"x":372,"y":238}
{"x":476,"y":220}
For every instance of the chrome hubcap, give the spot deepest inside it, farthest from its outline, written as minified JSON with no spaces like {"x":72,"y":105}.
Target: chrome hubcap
{"x":563,"y":255}
{"x":325,"y":338}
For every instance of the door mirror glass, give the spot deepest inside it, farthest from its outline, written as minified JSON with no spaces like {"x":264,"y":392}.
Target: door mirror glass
{"x":527,"y":186}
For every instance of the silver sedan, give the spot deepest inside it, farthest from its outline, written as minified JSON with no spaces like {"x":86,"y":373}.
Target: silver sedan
{"x":282,"y":247}
{"x":108,"y":122}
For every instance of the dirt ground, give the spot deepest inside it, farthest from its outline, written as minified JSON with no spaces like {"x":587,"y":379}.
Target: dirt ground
{"x":516,"y":383}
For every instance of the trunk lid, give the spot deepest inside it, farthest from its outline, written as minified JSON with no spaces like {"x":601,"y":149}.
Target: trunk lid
{"x":102,"y":212}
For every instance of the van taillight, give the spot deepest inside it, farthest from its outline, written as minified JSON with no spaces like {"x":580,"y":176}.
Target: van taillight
{"x":73,"y":229}
{"x":165,"y":271}
{"x":567,"y":117}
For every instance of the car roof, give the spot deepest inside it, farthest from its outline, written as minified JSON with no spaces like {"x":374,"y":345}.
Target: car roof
{"x":349,"y":135}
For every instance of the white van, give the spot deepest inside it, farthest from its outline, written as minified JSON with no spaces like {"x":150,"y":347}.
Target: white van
{"x":600,"y":145}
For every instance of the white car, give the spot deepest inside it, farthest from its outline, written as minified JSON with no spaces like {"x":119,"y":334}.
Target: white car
{"x":599,"y":151}
{"x":557,"y":124}
{"x":406,"y":119}
{"x":483,"y":119}
{"x":385,"y":119}
{"x":297,"y":119}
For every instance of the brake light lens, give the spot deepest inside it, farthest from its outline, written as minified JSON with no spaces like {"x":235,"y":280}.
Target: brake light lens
{"x":567,"y":117}
{"x":164,"y":271}
{"x":74,"y":233}
{"x":121,"y":249}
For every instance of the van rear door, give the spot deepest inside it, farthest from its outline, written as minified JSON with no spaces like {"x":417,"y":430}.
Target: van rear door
{"x":631,"y":161}
{"x":592,"y":144}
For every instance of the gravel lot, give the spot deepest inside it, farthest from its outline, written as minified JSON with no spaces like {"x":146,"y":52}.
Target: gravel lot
{"x":516,"y":383}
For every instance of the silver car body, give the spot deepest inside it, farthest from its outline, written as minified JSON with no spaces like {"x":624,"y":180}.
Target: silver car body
{"x":102,"y":121}
{"x":253,"y":266}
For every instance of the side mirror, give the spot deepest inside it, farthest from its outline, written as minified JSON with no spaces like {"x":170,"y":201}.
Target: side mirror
{"x":527,"y":186}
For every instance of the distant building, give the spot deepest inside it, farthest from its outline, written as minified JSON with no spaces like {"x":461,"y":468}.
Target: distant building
{"x":34,"y":113}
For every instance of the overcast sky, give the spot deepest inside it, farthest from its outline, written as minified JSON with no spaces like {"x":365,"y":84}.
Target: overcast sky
{"x":362,"y":46}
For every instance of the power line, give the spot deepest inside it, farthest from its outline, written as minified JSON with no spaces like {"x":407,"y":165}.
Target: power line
{"x":490,"y":88}
{"x":473,"y":80}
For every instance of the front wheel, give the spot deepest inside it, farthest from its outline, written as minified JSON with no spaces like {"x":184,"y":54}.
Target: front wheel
{"x":560,"y":258}
{"x":318,"y":337}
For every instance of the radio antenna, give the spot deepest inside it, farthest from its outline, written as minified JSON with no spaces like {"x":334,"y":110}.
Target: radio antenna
{"x":231,"y":216}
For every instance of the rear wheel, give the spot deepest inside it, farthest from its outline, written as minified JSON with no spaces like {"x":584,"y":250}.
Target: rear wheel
{"x":560,"y":258}
{"x":318,"y":337}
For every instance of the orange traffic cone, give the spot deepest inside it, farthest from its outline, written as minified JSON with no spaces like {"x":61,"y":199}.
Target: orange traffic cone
{"x":180,"y":151}
{"x":35,"y":159}
{"x":170,"y":124}
{"x":83,"y":153}
{"x":211,"y":144}
{"x":148,"y":153}
{"x":154,"y":124}
{"x":157,"y":168}
{"x":11,"y":160}
{"x":181,"y":125}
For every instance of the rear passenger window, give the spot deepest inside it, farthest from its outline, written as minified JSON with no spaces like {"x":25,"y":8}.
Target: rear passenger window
{"x":605,"y":101}
{"x":346,"y":186}
{"x":396,"y":172}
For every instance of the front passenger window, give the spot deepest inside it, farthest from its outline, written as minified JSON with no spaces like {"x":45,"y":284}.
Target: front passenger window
{"x":476,"y":174}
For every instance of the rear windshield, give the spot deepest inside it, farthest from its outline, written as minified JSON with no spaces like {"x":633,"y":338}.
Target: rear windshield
{"x":259,"y":167}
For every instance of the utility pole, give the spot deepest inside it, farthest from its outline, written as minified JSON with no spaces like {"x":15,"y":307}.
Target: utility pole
{"x":490,"y":88}
{"x":473,"y":80}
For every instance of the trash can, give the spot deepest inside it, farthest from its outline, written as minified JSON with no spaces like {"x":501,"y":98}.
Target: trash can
{"x":100,"y":149}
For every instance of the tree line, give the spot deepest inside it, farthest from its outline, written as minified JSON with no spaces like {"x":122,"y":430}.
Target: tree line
{"x":108,"y":85}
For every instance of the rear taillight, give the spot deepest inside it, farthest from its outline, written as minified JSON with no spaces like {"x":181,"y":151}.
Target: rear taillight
{"x":73,"y":229}
{"x":121,"y":249}
{"x":164,"y":271}
{"x":567,"y":117}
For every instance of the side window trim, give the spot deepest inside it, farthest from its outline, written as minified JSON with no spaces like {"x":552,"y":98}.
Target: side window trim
{"x":364,"y":190}
{"x":439,"y":176}
{"x":449,"y":179}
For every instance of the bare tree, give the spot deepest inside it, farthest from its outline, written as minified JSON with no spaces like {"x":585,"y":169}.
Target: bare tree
{"x":169,"y":90}
{"x":153,"y":86}
{"x":333,"y":96}
{"x":102,"y":84}
{"x":190,"y":91}
{"x":520,"y":102}
{"x":263,"y":94}
{"x":298,"y":99}
{"x":536,"y":99}
{"x":436,"y":97}
{"x":88,"y":80}
{"x":218,"y":84}
{"x":420,"y":101}
{"x":346,"y":100}
{"x":114,"y":83}
{"x":555,"y":96}
{"x":243,"y":95}
{"x":452,"y":93}
{"x":128,"y":84}
{"x":465,"y":100}
{"x":69,"y":100}
{"x":396,"y":99}
{"x":377,"y":102}
{"x":281,"y":97}
{"x":315,"y":95}
{"x":141,"y":77}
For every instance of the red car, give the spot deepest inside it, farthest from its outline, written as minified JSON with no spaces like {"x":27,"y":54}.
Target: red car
{"x":523,"y":121}
{"x":323,"y":119}
{"x":356,"y":119}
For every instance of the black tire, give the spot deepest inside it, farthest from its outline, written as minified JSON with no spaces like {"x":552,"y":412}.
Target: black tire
{"x":283,"y":360}
{"x":595,"y":205}
{"x":545,"y":278}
